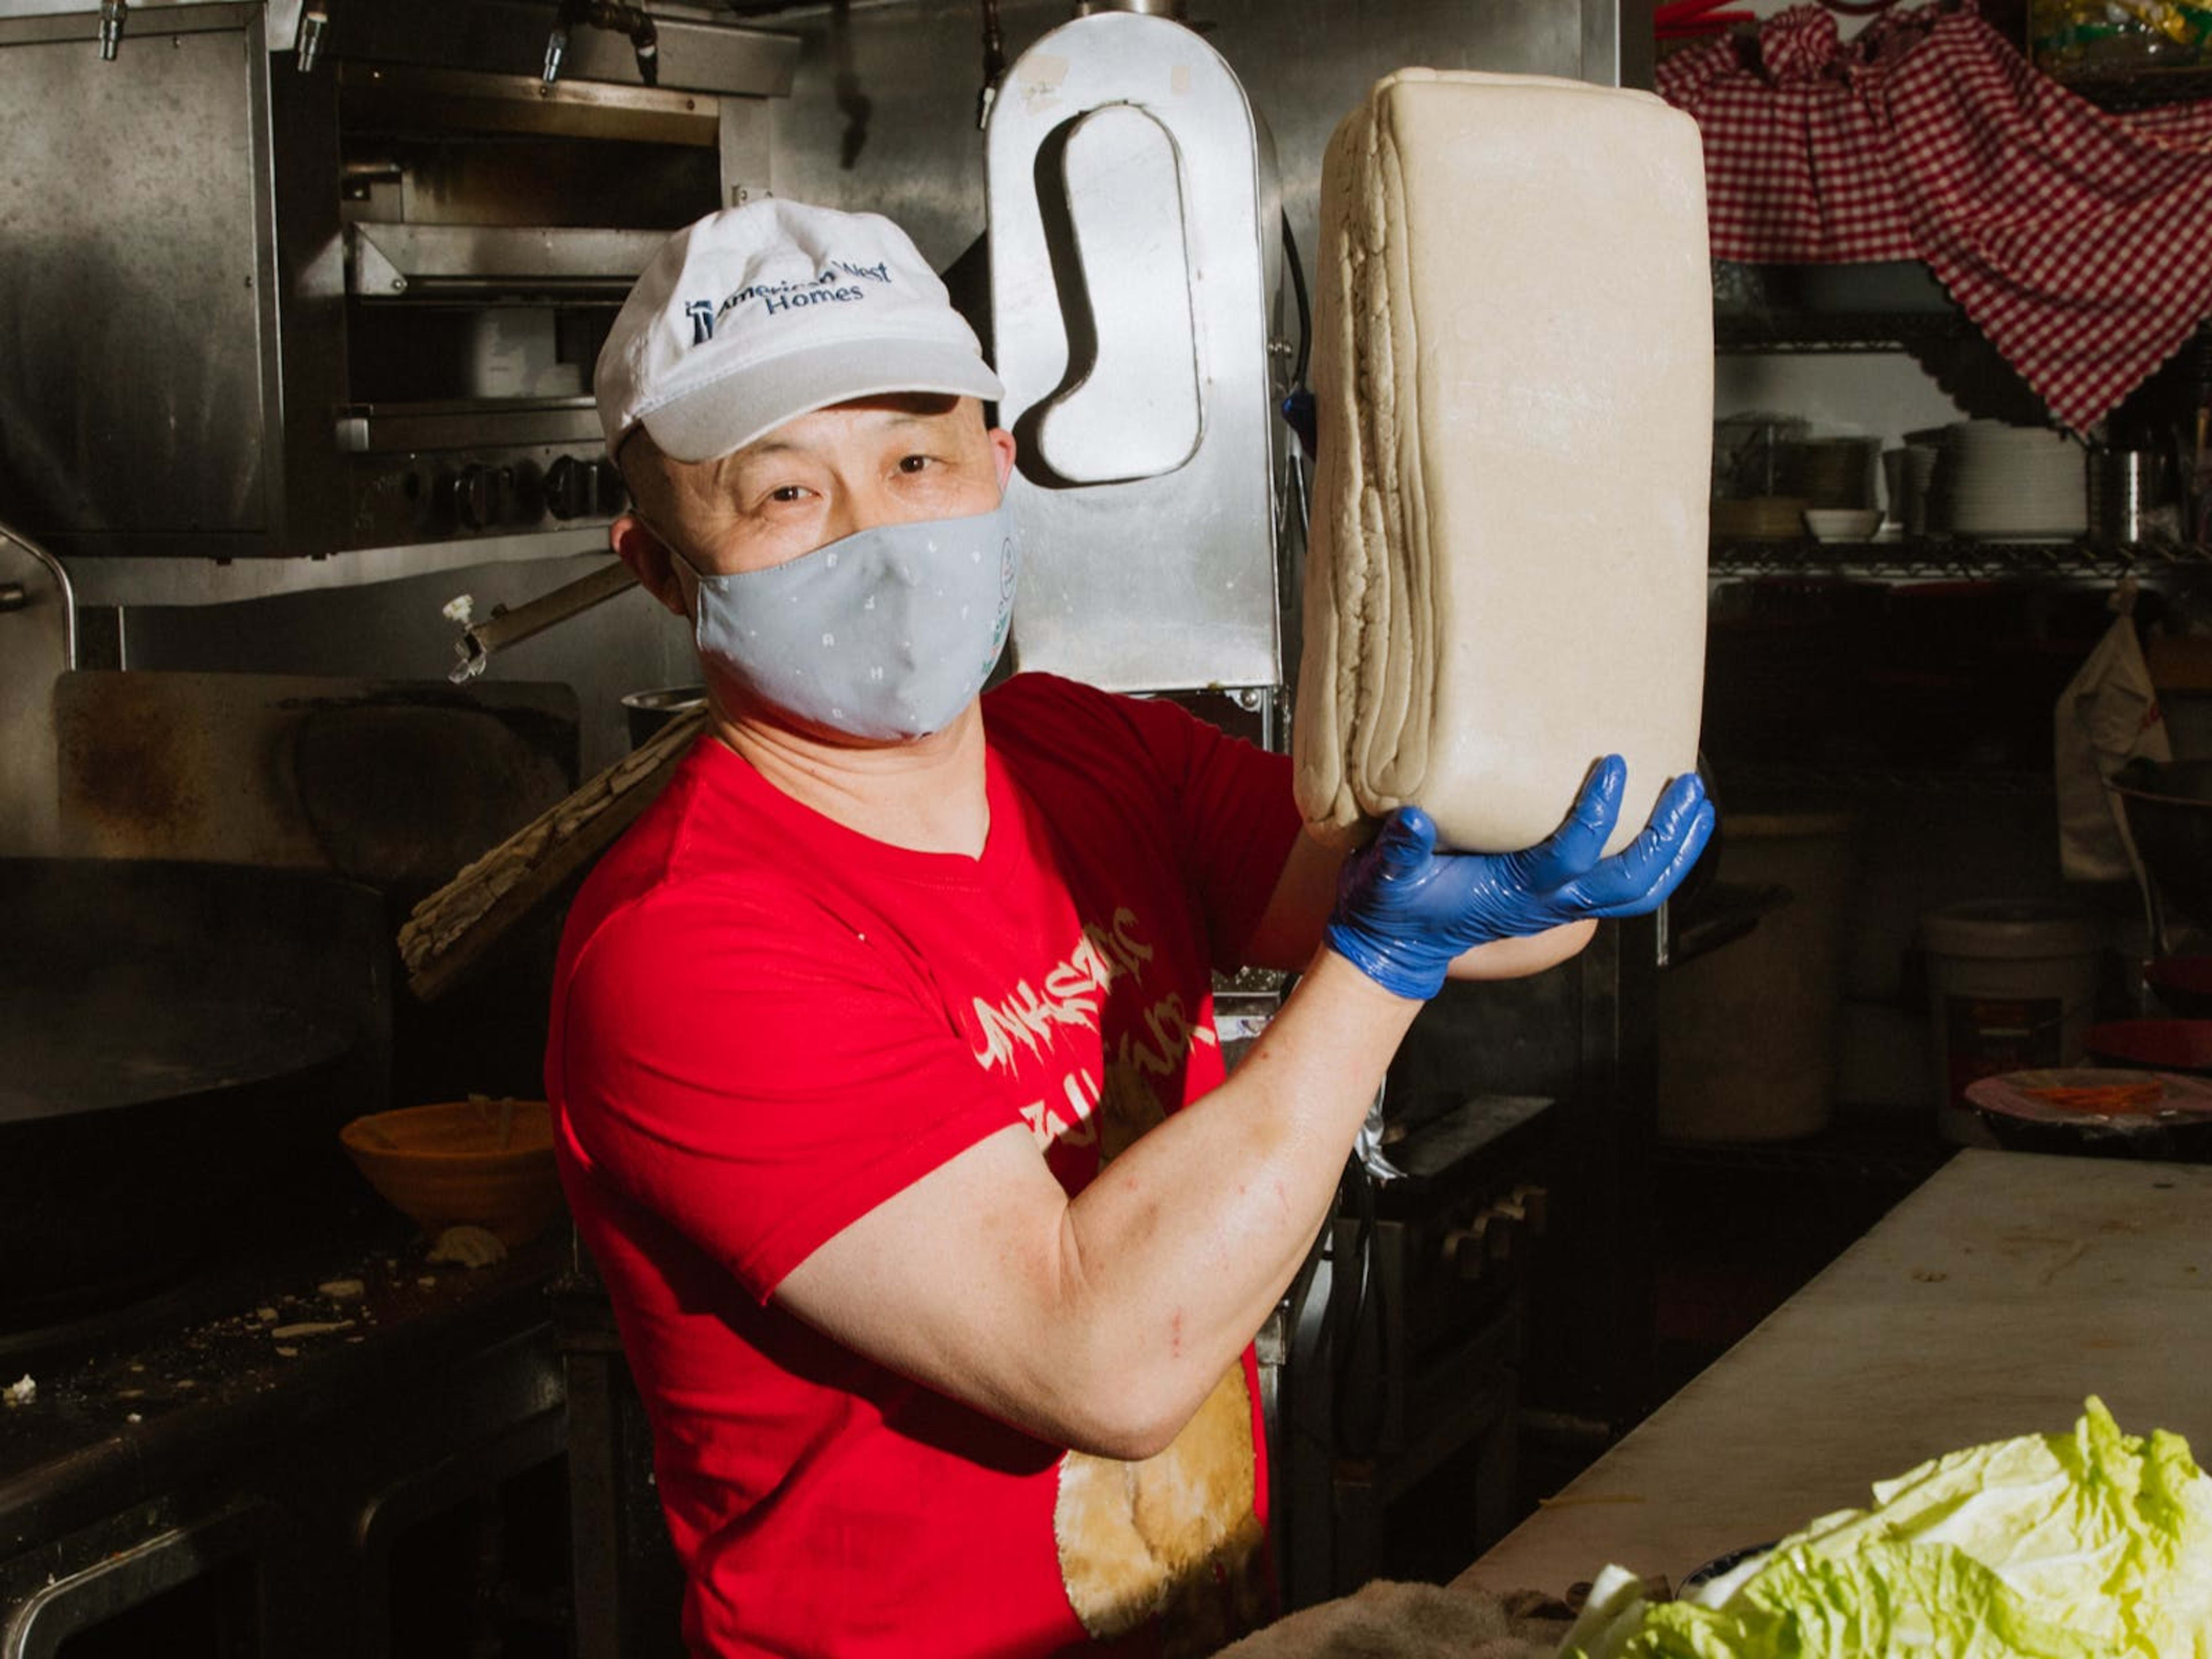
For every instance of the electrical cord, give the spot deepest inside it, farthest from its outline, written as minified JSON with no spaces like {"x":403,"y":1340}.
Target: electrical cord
{"x":1297,"y":407}
{"x":1359,"y":1343}
{"x":1305,"y":310}
{"x":994,"y":64}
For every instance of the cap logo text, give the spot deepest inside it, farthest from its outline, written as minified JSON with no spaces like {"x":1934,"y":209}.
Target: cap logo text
{"x":835,"y":284}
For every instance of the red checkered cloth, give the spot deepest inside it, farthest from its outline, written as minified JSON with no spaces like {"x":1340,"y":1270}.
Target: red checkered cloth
{"x":2079,"y":241}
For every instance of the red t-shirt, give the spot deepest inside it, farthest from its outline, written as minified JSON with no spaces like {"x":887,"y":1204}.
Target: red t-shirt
{"x":763,"y":1026}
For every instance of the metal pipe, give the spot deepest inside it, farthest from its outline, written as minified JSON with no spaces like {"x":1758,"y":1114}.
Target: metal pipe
{"x":556,"y":48}
{"x":634,"y":22}
{"x":314,"y":23}
{"x":1172,"y":9}
{"x":21,"y":601}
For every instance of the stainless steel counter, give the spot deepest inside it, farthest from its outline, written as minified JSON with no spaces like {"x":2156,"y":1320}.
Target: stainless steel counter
{"x":1985,"y":1305}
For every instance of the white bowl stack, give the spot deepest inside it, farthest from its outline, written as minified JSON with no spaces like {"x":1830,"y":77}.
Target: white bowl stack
{"x":2020,"y":484}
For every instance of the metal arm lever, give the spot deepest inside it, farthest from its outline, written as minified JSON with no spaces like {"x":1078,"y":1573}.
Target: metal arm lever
{"x":505,"y":627}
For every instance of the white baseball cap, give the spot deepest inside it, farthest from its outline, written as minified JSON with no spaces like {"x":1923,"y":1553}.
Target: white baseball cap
{"x":759,"y":314}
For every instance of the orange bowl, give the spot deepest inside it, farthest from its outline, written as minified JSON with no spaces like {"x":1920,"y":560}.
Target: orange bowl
{"x":463,"y":1162}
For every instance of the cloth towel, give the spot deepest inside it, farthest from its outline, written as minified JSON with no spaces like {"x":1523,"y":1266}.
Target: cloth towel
{"x":1387,"y":1620}
{"x":2107,"y":717}
{"x":2079,"y":241}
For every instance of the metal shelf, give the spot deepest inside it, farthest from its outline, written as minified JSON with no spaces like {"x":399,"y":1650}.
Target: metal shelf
{"x":2139,"y":88}
{"x":389,"y":261}
{"x":1836,"y":332}
{"x":1774,"y":327}
{"x":1929,"y":558}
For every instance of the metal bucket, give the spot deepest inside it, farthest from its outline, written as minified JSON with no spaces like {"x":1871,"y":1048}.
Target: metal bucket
{"x":2127,"y":492}
{"x":646,"y":711}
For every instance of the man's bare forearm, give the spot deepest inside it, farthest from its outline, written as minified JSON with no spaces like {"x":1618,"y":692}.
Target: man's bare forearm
{"x":1178,"y":1250}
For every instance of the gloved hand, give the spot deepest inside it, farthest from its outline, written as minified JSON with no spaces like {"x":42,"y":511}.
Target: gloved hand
{"x":1404,"y":910}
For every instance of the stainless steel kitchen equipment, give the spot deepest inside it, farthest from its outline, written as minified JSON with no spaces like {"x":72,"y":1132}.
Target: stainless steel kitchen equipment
{"x":254,"y":1468}
{"x":1401,"y":1347}
{"x":1137,"y":317}
{"x":279,"y":300}
{"x":2127,"y":495}
{"x":38,"y":630}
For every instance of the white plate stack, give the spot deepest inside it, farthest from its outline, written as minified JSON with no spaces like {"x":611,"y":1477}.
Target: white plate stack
{"x":2017,"y":483}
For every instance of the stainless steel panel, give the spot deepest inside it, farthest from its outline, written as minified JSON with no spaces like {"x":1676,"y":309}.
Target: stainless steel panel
{"x":157,"y":18}
{"x":302,"y":320}
{"x":396,"y":261}
{"x":695,"y":56}
{"x":132,"y":581}
{"x":370,"y":429}
{"x":1154,"y":570}
{"x":472,"y":100}
{"x":697,"y":51}
{"x":1620,"y":43}
{"x":37,"y":645}
{"x":128,"y":226}
{"x":162,"y":17}
{"x":744,"y":139}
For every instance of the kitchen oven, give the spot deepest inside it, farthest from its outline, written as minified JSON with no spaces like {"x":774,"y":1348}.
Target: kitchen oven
{"x":333,"y":1448}
{"x":1399,"y":1351}
{"x":316,"y":278}
{"x":242,"y":1413}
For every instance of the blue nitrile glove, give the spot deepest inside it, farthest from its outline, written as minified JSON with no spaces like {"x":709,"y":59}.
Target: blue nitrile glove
{"x":1298,"y":412}
{"x":1404,"y":910}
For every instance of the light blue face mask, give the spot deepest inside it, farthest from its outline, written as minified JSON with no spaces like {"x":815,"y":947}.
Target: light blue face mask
{"x":884,"y":634}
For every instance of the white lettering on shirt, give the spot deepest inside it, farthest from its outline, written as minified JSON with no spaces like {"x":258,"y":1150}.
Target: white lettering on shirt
{"x":1028,"y":1020}
{"x":1074,"y":993}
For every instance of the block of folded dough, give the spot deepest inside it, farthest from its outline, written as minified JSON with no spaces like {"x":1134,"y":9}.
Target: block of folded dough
{"x":1513,"y":369}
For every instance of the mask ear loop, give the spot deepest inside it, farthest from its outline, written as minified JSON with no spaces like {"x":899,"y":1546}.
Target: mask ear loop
{"x":687,"y":574}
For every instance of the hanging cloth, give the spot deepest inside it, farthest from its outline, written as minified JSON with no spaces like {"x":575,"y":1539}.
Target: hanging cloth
{"x":2079,"y":241}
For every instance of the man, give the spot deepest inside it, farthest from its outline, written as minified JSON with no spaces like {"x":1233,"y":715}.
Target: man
{"x":887,"y":1094}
